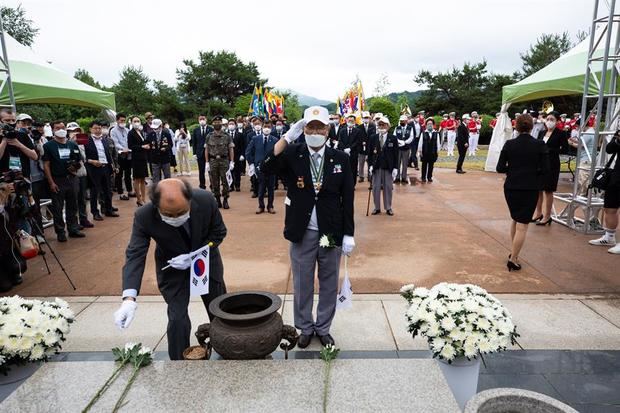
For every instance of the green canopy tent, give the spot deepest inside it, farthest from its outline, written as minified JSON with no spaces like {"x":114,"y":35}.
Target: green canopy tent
{"x":564,"y":76}
{"x":36,"y":81}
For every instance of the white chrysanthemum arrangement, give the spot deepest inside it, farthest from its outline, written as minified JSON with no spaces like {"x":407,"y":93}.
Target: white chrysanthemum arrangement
{"x":458,"y":320}
{"x":31,"y":330}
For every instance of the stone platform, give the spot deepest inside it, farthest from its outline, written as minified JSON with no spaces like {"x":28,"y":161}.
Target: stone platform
{"x":414,"y":385}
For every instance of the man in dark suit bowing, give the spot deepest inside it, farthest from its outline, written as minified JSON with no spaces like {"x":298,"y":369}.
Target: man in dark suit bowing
{"x":199,"y":136}
{"x":319,"y":218}
{"x":349,"y":141}
{"x":180,"y":220}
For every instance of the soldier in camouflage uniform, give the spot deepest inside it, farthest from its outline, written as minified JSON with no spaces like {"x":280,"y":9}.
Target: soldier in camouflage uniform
{"x":220,"y":159}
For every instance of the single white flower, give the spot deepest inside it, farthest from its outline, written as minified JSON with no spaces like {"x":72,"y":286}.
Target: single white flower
{"x":144,"y":350}
{"x":407,"y":288}
{"x":421,"y":292}
{"x":324,"y":242}
{"x":448,"y":352}
{"x":37,"y":353}
{"x":447,"y":323}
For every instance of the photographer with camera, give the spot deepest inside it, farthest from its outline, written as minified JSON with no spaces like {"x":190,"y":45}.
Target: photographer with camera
{"x":61,"y":160}
{"x":16,"y":148}
{"x":612,"y":197}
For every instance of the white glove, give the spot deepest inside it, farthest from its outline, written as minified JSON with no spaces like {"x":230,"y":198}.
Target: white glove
{"x":348,"y":243}
{"x":124,"y":315}
{"x":295,"y":131}
{"x":335,"y":144}
{"x":401,"y":143}
{"x":394,"y":174}
{"x":231,"y":165}
{"x":207,"y":167}
{"x":180,"y":262}
{"x":241,"y":158}
{"x":347,"y":151}
{"x":252,"y":170}
{"x":370,"y":170}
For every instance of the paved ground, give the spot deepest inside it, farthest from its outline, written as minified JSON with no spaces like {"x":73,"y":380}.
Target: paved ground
{"x":455,"y":229}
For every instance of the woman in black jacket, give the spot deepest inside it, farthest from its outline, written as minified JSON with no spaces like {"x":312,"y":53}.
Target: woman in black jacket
{"x":428,"y":148}
{"x":612,"y":200}
{"x":524,"y":160}
{"x":139,"y":147}
{"x":557,"y":143}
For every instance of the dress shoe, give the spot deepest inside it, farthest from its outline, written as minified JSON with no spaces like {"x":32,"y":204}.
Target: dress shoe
{"x":132,"y":195}
{"x":326,"y":340}
{"x":114,"y":209}
{"x":97,"y":217}
{"x":361,"y":180}
{"x":202,"y":187}
{"x":260,"y":210}
{"x":86,"y":223}
{"x":139,"y":203}
{"x":76,"y":234}
{"x":80,"y":227}
{"x":61,"y":237}
{"x":237,"y":189}
{"x":271,"y":210}
{"x":112,"y":214}
{"x":124,"y":197}
{"x":423,"y":181}
{"x":460,"y":171}
{"x":542,"y":223}
{"x":219,"y":202}
{"x":17,"y":280}
{"x":304,"y":340}
{"x":376,"y":212}
{"x":389,"y":212}
{"x":254,"y":195}
{"x":225,"y":204}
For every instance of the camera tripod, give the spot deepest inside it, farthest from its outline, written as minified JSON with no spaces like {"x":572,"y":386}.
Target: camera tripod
{"x":33,"y":222}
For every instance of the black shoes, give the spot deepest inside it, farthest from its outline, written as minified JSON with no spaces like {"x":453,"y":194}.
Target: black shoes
{"x":254,"y":195}
{"x":271,"y":210}
{"x":536,"y":219}
{"x":260,"y":211}
{"x":542,"y":223}
{"x":304,"y":340}
{"x":112,"y":214}
{"x":219,"y":202}
{"x":225,"y":204}
{"x":327,"y":340}
{"x":61,"y":237}
{"x":76,"y":234}
{"x":460,"y":171}
{"x":512,"y":266}
{"x":389,"y":212}
{"x":97,"y":217}
{"x":376,"y":212}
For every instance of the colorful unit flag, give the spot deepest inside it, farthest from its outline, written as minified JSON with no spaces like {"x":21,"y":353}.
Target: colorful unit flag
{"x":199,"y":272}
{"x":265,"y":103}
{"x":352,"y":101}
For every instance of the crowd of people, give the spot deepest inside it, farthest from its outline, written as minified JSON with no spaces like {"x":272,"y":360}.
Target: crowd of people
{"x":80,"y":171}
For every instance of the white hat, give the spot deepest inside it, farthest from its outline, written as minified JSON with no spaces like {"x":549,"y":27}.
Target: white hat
{"x":316,"y":113}
{"x":385,"y":120}
{"x":378,"y":116}
{"x":466,"y":116}
{"x":73,"y":126}
{"x":350,"y":114}
{"x":23,"y":116}
{"x":365,"y":114}
{"x":156,"y":123}
{"x":403,"y":117}
{"x":474,"y":113}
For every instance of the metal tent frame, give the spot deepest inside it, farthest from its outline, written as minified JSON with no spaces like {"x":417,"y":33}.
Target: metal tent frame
{"x":584,"y":213}
{"x":4,"y":68}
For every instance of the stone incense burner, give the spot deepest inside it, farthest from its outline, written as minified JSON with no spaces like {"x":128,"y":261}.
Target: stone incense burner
{"x":246,"y":326}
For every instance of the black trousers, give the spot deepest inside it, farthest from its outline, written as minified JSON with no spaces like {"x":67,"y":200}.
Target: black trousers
{"x":100,"y":187}
{"x":414,"y":152}
{"x":266,"y":183}
{"x":124,"y":174}
{"x":39,"y":191}
{"x":201,"y":171}
{"x":174,"y":287}
{"x":427,"y":170}
{"x":65,"y":198}
{"x":254,"y":184}
{"x":353,"y":164}
{"x":459,"y":162}
{"x":236,"y":173}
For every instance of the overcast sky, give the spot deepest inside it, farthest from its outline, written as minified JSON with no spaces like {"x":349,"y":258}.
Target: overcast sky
{"x":313,"y":47}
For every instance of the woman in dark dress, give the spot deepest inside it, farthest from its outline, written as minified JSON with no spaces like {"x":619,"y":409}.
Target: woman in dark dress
{"x":557,"y":143}
{"x":524,"y":160}
{"x":139,"y":153}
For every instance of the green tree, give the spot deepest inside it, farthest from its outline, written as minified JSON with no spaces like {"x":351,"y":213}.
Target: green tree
{"x":548,"y":48}
{"x":216,"y":79}
{"x":385,"y":106}
{"x":167,"y":106}
{"x":133,"y":93}
{"x":84,"y":76}
{"x":242,"y":104}
{"x":292,"y":108}
{"x":16,"y":24}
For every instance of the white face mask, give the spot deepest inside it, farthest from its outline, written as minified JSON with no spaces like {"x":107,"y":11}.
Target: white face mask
{"x":315,"y":141}
{"x":382,"y":131}
{"x":105,"y":131}
{"x":550,"y":124}
{"x":279,"y":128}
{"x":366,"y":121}
{"x":231,"y":127}
{"x":202,"y":122}
{"x":122,"y":125}
{"x":239,"y":125}
{"x":266,"y":131}
{"x":258,"y":128}
{"x":175,"y":221}
{"x":136,"y":125}
{"x":61,"y":133}
{"x":351,"y":124}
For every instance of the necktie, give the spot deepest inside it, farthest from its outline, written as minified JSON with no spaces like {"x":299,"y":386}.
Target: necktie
{"x":203,"y":131}
{"x":349,"y":131}
{"x":382,"y":140}
{"x":315,"y":158}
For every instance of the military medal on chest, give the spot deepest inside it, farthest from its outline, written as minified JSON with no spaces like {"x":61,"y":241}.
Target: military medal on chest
{"x":300,"y":182}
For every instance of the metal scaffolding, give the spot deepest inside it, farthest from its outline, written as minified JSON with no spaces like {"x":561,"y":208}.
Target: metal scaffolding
{"x":4,"y":68}
{"x":583,"y":212}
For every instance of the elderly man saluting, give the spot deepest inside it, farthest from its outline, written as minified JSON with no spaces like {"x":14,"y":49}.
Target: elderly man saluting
{"x":319,"y":218}
{"x":180,"y":220}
